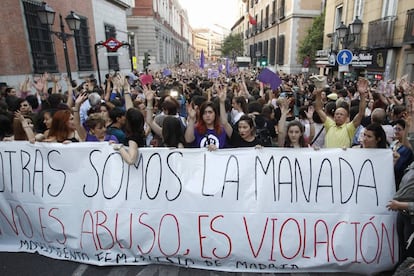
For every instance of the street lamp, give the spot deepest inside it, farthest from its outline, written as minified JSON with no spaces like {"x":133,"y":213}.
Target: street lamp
{"x":47,"y":16}
{"x":347,"y":35}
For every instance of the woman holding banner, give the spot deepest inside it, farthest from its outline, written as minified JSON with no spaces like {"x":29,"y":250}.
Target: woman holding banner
{"x":246,"y":134}
{"x":66,"y":126}
{"x":171,"y":129}
{"x":206,"y":132}
{"x":134,"y":126}
{"x":292,"y":135}
{"x":374,"y":137}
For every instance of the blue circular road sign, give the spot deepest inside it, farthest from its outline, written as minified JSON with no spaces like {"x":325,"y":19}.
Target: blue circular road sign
{"x":344,"y":57}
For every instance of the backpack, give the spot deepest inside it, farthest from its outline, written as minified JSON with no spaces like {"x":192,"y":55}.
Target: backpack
{"x":263,"y":135}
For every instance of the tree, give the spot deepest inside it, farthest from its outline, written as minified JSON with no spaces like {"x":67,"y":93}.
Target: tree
{"x":232,"y":46}
{"x":314,"y":40}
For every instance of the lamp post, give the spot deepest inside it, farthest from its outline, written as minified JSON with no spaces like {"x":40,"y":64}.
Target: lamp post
{"x":349,"y":34}
{"x":47,"y":16}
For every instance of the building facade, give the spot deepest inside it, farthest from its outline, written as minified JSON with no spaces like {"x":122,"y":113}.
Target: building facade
{"x":33,"y":49}
{"x":273,"y":29}
{"x":385,"y":47}
{"x":161,"y":29}
{"x":209,"y":40}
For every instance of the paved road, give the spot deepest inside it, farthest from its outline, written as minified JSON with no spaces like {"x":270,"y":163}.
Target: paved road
{"x":27,"y":264}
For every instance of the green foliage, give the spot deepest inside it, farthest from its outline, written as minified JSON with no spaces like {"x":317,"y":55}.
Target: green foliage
{"x":314,"y":40}
{"x":232,"y":46}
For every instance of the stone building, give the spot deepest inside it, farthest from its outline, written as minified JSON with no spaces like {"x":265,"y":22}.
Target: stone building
{"x":384,"y":47}
{"x":161,"y":28}
{"x":280,"y":26}
{"x":32,"y":49}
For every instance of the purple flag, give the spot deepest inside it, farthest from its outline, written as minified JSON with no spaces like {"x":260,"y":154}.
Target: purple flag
{"x":269,"y":77}
{"x":166,"y":72}
{"x":227,"y":67}
{"x":213,"y":74}
{"x":202,"y":59}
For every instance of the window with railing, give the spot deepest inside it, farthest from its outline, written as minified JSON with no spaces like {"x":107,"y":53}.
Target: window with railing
{"x":41,"y":43}
{"x":83,"y":47}
{"x":113,"y":63}
{"x":381,"y":32}
{"x":409,"y":28}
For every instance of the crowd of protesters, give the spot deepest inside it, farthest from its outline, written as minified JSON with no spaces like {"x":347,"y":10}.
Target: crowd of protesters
{"x":181,"y":107}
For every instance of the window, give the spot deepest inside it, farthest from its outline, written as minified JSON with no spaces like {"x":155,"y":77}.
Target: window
{"x":282,"y":9}
{"x":273,"y":12}
{"x":113,"y":63}
{"x":266,"y":24}
{"x":272,"y":54}
{"x":260,"y":48}
{"x":265,"y":48}
{"x":338,"y":17}
{"x":358,"y":8}
{"x":83,"y":48}
{"x":41,"y":44}
{"x":281,"y":50}
{"x":389,"y":8}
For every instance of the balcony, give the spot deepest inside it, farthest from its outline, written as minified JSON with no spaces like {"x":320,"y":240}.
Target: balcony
{"x":409,"y":28}
{"x":381,"y":32}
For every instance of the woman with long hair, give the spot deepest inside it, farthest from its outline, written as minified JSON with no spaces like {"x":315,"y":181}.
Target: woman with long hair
{"x":66,"y":126}
{"x":45,"y":121}
{"x":292,"y":134}
{"x":207,"y":130}
{"x":134,"y":126}
{"x":171,"y":130}
{"x":239,"y":108}
{"x":245,"y":136}
{"x":374,"y":137}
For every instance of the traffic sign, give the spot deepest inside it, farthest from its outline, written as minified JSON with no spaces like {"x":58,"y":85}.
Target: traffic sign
{"x":344,"y":57}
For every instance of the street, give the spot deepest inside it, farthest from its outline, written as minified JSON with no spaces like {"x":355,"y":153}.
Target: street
{"x":27,"y":264}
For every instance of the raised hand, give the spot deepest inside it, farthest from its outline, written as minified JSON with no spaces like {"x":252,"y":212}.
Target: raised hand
{"x":363,"y":86}
{"x":284,"y":105}
{"x":149,"y":94}
{"x":80,"y":99}
{"x":192,"y":114}
{"x":309,"y":112}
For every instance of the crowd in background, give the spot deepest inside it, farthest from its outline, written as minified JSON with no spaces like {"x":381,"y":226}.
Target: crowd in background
{"x":182,"y":107}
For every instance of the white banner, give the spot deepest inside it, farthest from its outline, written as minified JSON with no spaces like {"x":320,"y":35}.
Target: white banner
{"x":254,"y":210}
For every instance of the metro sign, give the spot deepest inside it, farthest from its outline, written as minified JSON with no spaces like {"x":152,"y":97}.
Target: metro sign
{"x":112,"y":44}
